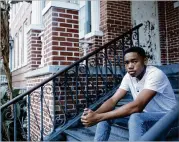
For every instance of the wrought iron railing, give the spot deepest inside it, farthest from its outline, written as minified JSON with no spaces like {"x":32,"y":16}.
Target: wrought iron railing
{"x":52,"y":104}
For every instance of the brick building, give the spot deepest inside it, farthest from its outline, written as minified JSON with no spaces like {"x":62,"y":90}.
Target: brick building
{"x":50,"y":35}
{"x":46,"y":34}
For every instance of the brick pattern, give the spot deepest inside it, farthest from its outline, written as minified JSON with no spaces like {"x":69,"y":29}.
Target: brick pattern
{"x":96,"y":43}
{"x":172,"y":18}
{"x":34,"y":47}
{"x":169,"y":29}
{"x":61,"y":45}
{"x":115,"y":18}
{"x":162,"y":28}
{"x":35,"y":106}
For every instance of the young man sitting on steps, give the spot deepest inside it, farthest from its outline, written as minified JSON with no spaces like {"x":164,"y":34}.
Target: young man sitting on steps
{"x":152,"y":93}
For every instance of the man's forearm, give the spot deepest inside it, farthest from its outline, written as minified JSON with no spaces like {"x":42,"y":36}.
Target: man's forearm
{"x":110,"y":103}
{"x":123,"y":111}
{"x":106,"y":106}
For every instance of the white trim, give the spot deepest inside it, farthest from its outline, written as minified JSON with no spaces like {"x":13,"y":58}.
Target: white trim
{"x":95,"y":15}
{"x":91,"y":34}
{"x":44,"y":70}
{"x":15,"y":14}
{"x":60,"y":4}
{"x":35,"y":27}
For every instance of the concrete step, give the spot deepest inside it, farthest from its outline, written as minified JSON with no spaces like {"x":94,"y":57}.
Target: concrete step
{"x":87,"y":134}
{"x":79,"y":134}
{"x":122,"y":122}
{"x":116,"y":130}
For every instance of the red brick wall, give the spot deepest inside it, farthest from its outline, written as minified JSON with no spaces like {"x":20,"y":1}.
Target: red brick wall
{"x":61,"y":36}
{"x":96,"y":43}
{"x":169,"y":32}
{"x":172,"y":19}
{"x":115,"y":18}
{"x":34,"y":46}
{"x":162,"y":28}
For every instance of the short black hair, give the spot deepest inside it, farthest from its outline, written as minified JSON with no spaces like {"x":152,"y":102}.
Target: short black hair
{"x":138,"y":50}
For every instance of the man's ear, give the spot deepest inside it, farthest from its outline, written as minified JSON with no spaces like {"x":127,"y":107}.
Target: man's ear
{"x":145,"y":60}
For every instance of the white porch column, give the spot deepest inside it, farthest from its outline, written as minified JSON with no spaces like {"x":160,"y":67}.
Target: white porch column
{"x":95,"y":12}
{"x":36,"y":12}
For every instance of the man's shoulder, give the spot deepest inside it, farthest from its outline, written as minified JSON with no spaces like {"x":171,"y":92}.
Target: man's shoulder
{"x":154,"y":71}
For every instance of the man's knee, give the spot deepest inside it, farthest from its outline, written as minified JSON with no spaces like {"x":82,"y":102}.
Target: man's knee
{"x":135,"y":117}
{"x":104,"y":123}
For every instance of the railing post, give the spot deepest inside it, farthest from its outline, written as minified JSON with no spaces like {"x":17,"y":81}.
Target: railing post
{"x":76,"y":77}
{"x":41,"y":118}
{"x":106,"y":71}
{"x":131,"y":41}
{"x":123,"y":55}
{"x":96,"y":59}
{"x":87,"y":99}
{"x":28,"y":107}
{"x":65,"y":92}
{"x":115,"y":61}
{"x":54,"y":123}
{"x":15,"y":122}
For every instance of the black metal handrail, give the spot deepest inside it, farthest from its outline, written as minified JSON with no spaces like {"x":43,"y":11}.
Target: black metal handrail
{"x":80,"y":84}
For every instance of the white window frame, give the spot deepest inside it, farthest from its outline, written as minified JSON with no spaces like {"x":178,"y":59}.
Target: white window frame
{"x":82,"y":19}
{"x":95,"y":20}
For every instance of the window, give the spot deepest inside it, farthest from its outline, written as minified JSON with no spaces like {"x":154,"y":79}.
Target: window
{"x":84,"y":18}
{"x":82,"y":21}
{"x":89,"y":17}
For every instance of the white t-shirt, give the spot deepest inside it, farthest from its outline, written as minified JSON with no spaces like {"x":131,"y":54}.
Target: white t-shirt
{"x":153,"y":79}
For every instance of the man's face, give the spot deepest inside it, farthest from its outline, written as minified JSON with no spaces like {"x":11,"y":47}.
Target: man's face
{"x":134,"y":63}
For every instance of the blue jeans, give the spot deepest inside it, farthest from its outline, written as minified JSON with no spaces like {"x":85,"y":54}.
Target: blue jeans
{"x":138,"y":124}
